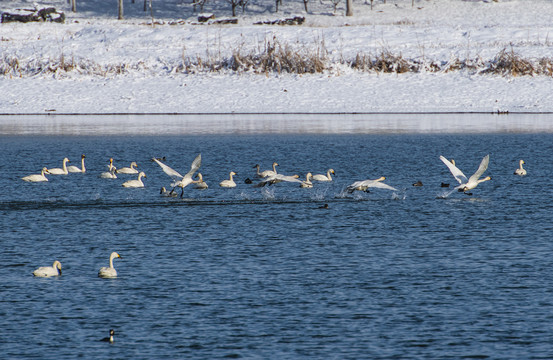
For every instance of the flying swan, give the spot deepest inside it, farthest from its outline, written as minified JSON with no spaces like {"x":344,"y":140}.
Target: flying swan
{"x":178,"y":179}
{"x":520,"y":171}
{"x":74,"y":169}
{"x":109,"y":272}
{"x":276,"y":178}
{"x":364,"y":185}
{"x":470,"y":183}
{"x":47,"y":271}
{"x":37,"y":177}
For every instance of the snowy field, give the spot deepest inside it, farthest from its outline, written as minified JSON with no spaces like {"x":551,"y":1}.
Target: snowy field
{"x":94,"y":63}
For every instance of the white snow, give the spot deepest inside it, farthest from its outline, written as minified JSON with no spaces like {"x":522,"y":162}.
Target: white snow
{"x":438,"y":31}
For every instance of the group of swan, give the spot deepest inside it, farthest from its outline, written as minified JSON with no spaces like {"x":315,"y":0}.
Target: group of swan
{"x":55,"y":269}
{"x":267,"y":177}
{"x":64,"y":170}
{"x":113,"y":171}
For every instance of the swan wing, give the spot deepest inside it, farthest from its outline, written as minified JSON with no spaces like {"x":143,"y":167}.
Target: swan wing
{"x":380,"y":185}
{"x":356,"y":185}
{"x":483,"y":167}
{"x":195,"y":166}
{"x":169,"y":171}
{"x":291,"y":179}
{"x":457,"y":174}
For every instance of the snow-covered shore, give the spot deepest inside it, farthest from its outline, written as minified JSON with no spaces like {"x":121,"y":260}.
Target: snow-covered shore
{"x":146,"y":60}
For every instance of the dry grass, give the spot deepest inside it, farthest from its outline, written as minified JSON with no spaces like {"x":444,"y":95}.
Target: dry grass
{"x":276,"y":57}
{"x":510,"y":63}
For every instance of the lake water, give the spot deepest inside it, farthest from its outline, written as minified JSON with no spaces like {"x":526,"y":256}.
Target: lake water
{"x":264,"y":273}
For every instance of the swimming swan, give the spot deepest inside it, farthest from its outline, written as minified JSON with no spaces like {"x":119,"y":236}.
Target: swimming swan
{"x":364,"y":185}
{"x":307,"y":183}
{"x":135,"y":183}
{"x":472,"y":182}
{"x":200,"y":183}
{"x":228,"y":183}
{"x":74,"y":169}
{"x":327,"y":177}
{"x":109,"y":174}
{"x":109,"y":272}
{"x":266,"y":172}
{"x":520,"y":171}
{"x":110,"y":166}
{"x":128,"y":170}
{"x":178,"y":179}
{"x":60,"y":171}
{"x":47,"y":271}
{"x":36,"y":177}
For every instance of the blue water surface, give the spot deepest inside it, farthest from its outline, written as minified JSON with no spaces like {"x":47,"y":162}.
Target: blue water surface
{"x":264,"y":273}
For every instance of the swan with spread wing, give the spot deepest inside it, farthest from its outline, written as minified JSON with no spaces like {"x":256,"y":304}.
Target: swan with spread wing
{"x":470,"y":183}
{"x":178,"y":179}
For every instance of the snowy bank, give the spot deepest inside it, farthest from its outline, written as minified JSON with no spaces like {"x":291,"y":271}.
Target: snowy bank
{"x":96,"y":64}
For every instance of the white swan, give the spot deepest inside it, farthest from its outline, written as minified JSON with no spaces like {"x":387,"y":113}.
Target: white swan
{"x":327,"y":177}
{"x":178,"y":179}
{"x":128,"y":170}
{"x":110,"y":166}
{"x":200,"y":183}
{"x":520,"y":171}
{"x":228,"y":183}
{"x":109,"y":174}
{"x":307,"y":183}
{"x":276,"y":178}
{"x":109,"y":272}
{"x":266,"y":172}
{"x":47,"y":271}
{"x":36,"y":177}
{"x":60,"y":171}
{"x":364,"y":185}
{"x":74,"y":169}
{"x":135,"y":183}
{"x":470,"y":183}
